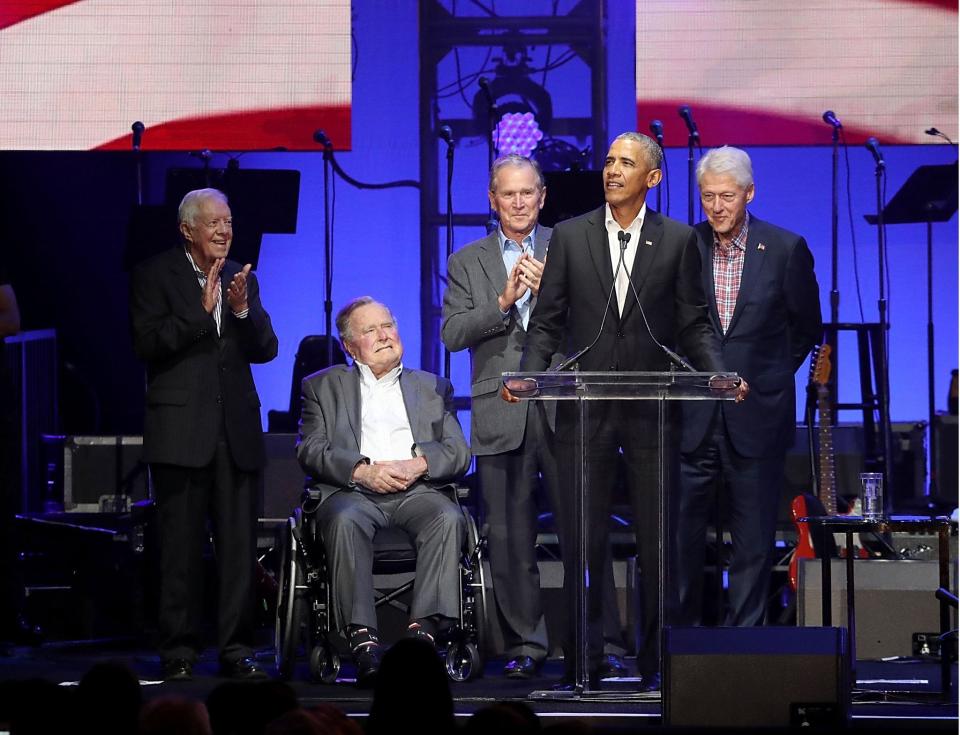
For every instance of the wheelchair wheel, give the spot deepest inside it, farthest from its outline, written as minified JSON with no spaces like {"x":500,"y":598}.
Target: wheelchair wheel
{"x":324,"y":663}
{"x":463,"y":661}
{"x":478,"y":623}
{"x":290,"y":609}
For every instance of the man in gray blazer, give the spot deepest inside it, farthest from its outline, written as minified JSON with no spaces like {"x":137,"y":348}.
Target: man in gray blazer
{"x":378,"y":442}
{"x":492,"y":287}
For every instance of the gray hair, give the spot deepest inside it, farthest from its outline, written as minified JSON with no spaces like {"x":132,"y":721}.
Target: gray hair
{"x":190,"y":204}
{"x":727,"y":160}
{"x":514,"y":159}
{"x":650,"y":147}
{"x":346,"y":311}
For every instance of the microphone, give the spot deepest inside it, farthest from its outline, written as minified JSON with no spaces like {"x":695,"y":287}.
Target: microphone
{"x":320,"y":136}
{"x":937,"y":133}
{"x":485,"y":86}
{"x":137,"y":128}
{"x":203,"y":155}
{"x":687,"y":116}
{"x":446,"y":132}
{"x":624,"y":238}
{"x":830,"y":118}
{"x":873,"y":146}
{"x":656,"y":127}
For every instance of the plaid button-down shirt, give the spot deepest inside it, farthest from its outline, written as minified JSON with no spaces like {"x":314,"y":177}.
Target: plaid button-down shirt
{"x":727,"y":268}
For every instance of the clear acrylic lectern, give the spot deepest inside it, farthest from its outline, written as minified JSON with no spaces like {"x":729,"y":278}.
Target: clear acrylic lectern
{"x":585,"y":387}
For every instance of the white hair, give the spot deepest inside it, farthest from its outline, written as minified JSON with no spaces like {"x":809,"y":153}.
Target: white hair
{"x":343,"y":316}
{"x":727,"y":160}
{"x":190,"y":204}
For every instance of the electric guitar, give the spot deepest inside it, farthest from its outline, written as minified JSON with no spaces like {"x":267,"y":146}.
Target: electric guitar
{"x":825,"y":502}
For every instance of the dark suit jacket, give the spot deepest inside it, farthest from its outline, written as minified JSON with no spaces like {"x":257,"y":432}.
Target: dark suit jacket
{"x":195,"y":378}
{"x":775,"y":323}
{"x":472,"y":319}
{"x":329,"y":443}
{"x":578,"y":278}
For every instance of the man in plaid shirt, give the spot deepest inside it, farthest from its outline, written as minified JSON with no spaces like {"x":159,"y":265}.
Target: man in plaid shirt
{"x":764,"y":303}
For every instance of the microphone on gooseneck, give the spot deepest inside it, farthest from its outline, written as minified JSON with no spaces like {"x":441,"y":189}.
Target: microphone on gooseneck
{"x":137,"y":128}
{"x":656,"y":127}
{"x":624,"y":238}
{"x":687,"y":116}
{"x":831,"y":119}
{"x":937,"y":133}
{"x":873,"y":146}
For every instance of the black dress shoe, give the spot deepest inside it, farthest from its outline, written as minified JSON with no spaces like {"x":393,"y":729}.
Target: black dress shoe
{"x":177,"y":669}
{"x":521,"y":667}
{"x":612,"y":667}
{"x":245,"y":669}
{"x":367,"y":659}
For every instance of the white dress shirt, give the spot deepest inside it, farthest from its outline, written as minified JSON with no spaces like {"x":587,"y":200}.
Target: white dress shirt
{"x":384,"y":426}
{"x":623,"y":276}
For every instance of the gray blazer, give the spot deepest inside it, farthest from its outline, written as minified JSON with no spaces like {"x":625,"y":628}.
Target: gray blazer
{"x":472,"y":320}
{"x":329,"y":444}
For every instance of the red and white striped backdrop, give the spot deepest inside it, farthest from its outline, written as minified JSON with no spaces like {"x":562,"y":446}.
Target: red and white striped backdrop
{"x":218,"y":74}
{"x":762,"y":72}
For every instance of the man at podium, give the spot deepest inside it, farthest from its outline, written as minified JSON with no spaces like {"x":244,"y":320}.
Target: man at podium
{"x":622,"y":289}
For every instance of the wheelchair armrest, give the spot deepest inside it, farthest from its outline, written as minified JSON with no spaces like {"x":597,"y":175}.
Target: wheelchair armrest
{"x":454,"y":490}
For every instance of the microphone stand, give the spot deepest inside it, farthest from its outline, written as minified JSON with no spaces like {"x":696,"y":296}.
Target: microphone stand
{"x":138,"y":161}
{"x":446,"y":351}
{"x":663,"y":155}
{"x":691,"y":139}
{"x":933,"y":488}
{"x":884,"y":378}
{"x":327,"y":249}
{"x":834,"y":237}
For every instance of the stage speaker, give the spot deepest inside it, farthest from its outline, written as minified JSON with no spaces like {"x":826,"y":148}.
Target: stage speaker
{"x":754,"y":677}
{"x":893,"y":600}
{"x":283,"y":479}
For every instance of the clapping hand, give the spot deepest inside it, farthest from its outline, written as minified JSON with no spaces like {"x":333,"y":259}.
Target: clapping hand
{"x":237,"y":291}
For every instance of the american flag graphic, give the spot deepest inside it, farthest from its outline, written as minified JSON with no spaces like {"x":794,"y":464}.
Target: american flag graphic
{"x":762,"y":72}
{"x":218,"y":74}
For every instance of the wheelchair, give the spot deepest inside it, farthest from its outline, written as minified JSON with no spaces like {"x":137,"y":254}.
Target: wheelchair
{"x":305,"y":620}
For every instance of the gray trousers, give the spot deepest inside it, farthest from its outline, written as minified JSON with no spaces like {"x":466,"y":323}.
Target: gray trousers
{"x":348,"y":521}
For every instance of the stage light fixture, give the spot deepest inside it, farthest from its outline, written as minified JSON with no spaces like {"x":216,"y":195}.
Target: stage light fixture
{"x":517,"y":132}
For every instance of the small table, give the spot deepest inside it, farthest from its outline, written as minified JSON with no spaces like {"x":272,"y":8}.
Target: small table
{"x":849,"y":525}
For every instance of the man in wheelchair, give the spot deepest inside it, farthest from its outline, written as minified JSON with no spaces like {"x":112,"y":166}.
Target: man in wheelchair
{"x":379,"y":442}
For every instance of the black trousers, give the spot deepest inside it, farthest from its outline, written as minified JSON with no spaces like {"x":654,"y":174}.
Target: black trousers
{"x":752,"y":486}
{"x":186,"y":499}
{"x":508,"y":484}
{"x":620,"y":434}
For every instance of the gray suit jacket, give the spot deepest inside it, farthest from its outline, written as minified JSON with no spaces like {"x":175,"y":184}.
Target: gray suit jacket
{"x":472,"y":320}
{"x":329,"y":444}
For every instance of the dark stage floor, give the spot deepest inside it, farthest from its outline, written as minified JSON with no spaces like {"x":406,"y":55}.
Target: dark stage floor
{"x":890,"y":695}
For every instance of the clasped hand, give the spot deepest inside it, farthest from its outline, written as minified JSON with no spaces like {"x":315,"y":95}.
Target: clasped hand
{"x":390,"y":476}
